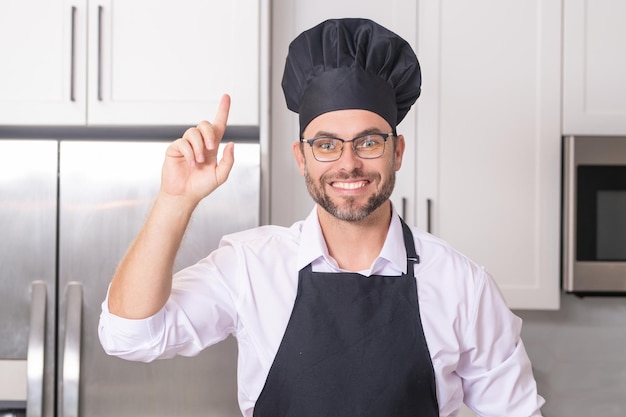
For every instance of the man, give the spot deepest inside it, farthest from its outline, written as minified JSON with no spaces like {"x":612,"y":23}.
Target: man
{"x":350,"y":312}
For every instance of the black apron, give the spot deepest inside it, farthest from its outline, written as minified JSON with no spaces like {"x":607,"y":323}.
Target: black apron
{"x":354,"y":347}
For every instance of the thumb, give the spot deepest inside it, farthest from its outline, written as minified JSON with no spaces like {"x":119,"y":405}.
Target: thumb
{"x":226,"y":163}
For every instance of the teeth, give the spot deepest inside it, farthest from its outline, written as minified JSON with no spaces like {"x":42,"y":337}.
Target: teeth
{"x":349,"y":185}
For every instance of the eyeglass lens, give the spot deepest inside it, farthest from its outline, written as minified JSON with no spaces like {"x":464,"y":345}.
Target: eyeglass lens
{"x":367,"y":147}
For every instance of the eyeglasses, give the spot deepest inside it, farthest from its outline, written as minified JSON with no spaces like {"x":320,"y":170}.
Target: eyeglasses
{"x":328,"y":148}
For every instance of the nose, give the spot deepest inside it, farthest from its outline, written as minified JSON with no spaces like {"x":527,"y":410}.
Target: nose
{"x":349,"y":158}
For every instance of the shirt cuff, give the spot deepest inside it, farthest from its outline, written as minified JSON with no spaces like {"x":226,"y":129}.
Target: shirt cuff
{"x":131,"y":339}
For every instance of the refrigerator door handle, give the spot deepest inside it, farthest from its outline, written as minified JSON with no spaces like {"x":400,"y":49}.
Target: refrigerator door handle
{"x":35,"y":359}
{"x":71,"y":354}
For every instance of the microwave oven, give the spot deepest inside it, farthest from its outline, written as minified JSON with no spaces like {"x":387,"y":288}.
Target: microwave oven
{"x":594,"y":215}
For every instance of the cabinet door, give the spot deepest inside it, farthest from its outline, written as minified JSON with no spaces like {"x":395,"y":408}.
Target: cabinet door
{"x":159,"y":63}
{"x":292,"y":202}
{"x":594,"y":58}
{"x":489,"y":139}
{"x":42,"y":76}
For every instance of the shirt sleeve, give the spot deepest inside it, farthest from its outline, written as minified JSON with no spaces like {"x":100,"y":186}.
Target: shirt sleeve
{"x":496,"y":371}
{"x":200,"y":311}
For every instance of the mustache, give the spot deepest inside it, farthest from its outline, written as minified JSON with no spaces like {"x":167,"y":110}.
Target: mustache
{"x":354,"y":174}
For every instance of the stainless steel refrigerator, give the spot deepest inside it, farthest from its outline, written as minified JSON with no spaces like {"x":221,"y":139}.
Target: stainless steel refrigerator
{"x":68,"y":211}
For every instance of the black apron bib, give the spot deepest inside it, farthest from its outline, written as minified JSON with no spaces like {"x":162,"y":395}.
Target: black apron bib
{"x":354,"y":347}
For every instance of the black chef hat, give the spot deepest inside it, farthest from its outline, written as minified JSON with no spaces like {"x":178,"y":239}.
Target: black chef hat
{"x":350,"y":64}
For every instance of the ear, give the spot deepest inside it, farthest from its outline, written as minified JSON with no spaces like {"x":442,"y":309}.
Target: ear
{"x":298,"y":154}
{"x":399,"y":152}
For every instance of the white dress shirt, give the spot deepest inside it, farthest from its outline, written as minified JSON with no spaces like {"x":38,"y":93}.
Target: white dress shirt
{"x":247,"y":288}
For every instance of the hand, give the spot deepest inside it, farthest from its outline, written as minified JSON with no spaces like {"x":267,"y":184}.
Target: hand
{"x":191,"y":168}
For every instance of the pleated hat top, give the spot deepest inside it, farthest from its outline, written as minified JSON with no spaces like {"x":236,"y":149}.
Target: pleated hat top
{"x":351,"y":63}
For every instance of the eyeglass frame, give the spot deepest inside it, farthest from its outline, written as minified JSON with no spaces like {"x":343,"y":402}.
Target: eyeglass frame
{"x":385,"y":136}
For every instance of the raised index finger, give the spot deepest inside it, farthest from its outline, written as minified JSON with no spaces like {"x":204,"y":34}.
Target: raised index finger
{"x":221,"y":118}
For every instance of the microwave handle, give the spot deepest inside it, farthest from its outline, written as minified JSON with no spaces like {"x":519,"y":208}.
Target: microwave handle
{"x":35,"y":356}
{"x":569,"y":208}
{"x":71,"y":353}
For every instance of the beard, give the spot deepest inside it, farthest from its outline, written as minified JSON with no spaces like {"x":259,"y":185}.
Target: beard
{"x":350,"y":209}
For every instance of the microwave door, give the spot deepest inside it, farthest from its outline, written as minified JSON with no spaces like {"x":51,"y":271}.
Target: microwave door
{"x":594,"y":226}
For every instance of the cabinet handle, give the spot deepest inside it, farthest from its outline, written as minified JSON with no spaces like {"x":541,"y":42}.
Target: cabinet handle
{"x":404,"y":202}
{"x":73,"y":56}
{"x":35,"y":359}
{"x":429,"y":215}
{"x":100,"y":13}
{"x":71,"y":353}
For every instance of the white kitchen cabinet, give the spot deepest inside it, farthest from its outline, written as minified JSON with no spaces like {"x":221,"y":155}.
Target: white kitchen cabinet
{"x":290,"y":200}
{"x":594,"y":64}
{"x":483,"y":141}
{"x":128,"y":62}
{"x":488,"y":127}
{"x":43,"y":70}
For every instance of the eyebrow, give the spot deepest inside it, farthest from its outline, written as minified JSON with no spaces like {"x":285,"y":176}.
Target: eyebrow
{"x":367,"y":131}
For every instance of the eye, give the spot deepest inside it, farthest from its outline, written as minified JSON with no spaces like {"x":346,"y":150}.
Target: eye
{"x":369,"y":141}
{"x":325,"y":144}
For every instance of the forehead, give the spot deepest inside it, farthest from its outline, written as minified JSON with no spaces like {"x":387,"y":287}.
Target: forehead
{"x":346,"y":123}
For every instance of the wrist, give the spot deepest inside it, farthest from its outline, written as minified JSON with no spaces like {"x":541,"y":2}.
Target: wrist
{"x":174,"y":206}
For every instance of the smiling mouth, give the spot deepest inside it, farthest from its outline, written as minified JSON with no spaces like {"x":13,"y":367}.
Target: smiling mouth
{"x":352,"y":185}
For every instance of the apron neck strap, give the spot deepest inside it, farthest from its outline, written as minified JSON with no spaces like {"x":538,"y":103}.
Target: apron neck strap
{"x":411,"y":255}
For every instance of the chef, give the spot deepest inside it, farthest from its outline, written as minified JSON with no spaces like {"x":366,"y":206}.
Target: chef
{"x":349,"y":312}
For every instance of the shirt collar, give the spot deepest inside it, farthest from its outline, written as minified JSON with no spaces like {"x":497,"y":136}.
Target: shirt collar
{"x":392,"y":257}
{"x":393,"y":250}
{"x":312,"y":244}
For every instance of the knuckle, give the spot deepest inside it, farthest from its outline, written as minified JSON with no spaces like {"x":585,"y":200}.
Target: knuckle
{"x":204,"y":124}
{"x":190,"y":132}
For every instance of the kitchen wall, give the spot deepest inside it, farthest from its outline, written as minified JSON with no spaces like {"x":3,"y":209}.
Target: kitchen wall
{"x":578,"y":356}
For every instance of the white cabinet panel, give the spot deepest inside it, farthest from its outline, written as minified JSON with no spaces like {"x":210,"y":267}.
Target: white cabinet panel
{"x":289,"y":19}
{"x":489,"y":139}
{"x":594,"y":57}
{"x":42,"y":75}
{"x":154,"y":61}
{"x":130,"y":62}
{"x":483,"y":142}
